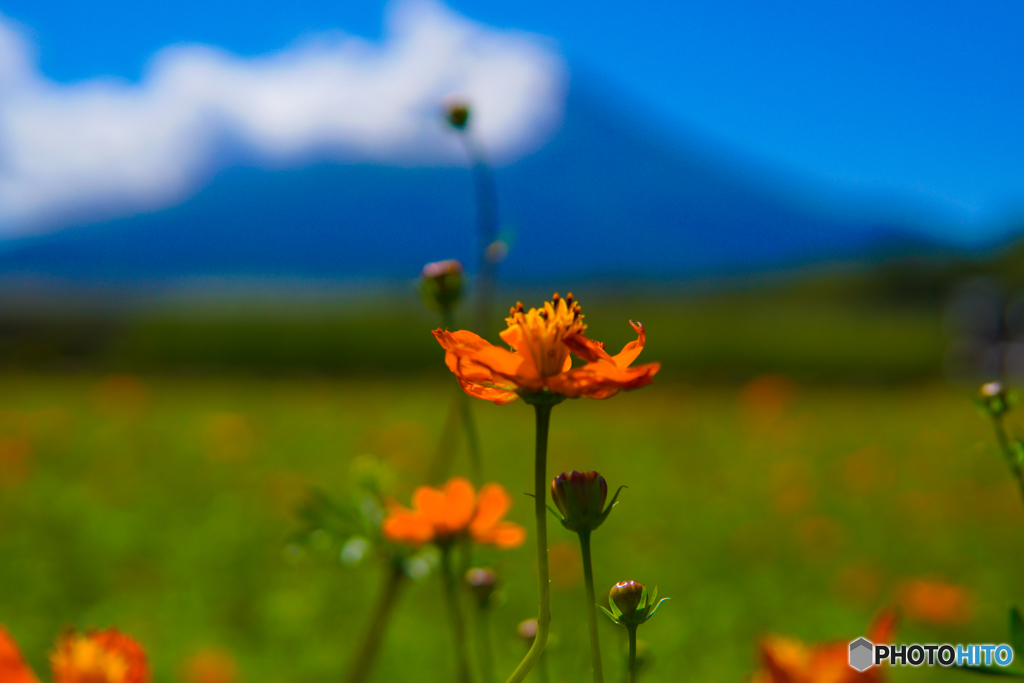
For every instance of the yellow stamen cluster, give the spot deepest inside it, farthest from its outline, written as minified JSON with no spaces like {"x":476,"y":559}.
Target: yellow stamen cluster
{"x":83,"y":660}
{"x":544,"y":329}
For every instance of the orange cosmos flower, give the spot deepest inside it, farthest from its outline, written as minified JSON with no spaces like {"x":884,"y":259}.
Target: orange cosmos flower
{"x":99,"y":657}
{"x":541,"y":340}
{"x":13,"y":668}
{"x":787,"y":660}
{"x":443,"y":515}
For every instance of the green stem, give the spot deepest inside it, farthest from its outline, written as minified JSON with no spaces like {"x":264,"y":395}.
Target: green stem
{"x":472,"y":438}
{"x":487,"y":231}
{"x":1004,"y":445}
{"x":485,"y":651}
{"x":455,"y":616}
{"x":440,"y":465}
{"x":540,"y":510}
{"x":588,"y":577}
{"x":373,"y":636}
{"x":632,"y":654}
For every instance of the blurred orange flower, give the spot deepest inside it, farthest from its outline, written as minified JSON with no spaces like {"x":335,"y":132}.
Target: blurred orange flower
{"x":935,"y":602}
{"x":211,"y":666}
{"x":541,"y":340}
{"x":443,"y":515}
{"x":96,"y":657}
{"x":99,"y":657}
{"x":787,"y":660}
{"x":12,"y":666}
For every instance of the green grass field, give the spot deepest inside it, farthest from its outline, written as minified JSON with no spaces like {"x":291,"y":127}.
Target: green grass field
{"x":165,"y":506}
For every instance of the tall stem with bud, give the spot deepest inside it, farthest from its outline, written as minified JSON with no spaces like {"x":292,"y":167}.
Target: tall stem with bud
{"x":543,"y":414}
{"x":455,"y":616}
{"x":588,"y":578}
{"x":632,"y":655}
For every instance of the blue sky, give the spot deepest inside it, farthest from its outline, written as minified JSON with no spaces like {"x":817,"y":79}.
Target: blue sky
{"x":918,"y":105}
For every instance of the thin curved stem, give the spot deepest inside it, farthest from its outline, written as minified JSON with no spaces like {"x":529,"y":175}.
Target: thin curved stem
{"x":1004,"y":445}
{"x":472,"y":438}
{"x":367,"y":649}
{"x":487,"y":230}
{"x":540,"y":510}
{"x":455,"y":617}
{"x":486,"y":651}
{"x":588,"y":577}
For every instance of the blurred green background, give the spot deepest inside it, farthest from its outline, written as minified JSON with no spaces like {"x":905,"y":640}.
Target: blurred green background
{"x":800,"y":462}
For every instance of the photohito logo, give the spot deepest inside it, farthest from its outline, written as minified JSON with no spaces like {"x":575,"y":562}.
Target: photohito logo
{"x":864,"y":654}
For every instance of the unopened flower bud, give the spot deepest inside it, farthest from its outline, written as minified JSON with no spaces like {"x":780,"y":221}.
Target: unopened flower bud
{"x":457,"y":113}
{"x":482,"y":581}
{"x":626,"y":595}
{"x":580,"y":498}
{"x":994,"y":400}
{"x":441,"y":284}
{"x":527,"y":630}
{"x":631,"y":604}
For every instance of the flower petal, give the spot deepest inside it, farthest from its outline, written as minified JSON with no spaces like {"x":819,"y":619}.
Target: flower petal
{"x":504,"y":535}
{"x":460,"y":500}
{"x":482,"y":367}
{"x":406,"y":526}
{"x":587,"y":349}
{"x":13,"y":668}
{"x":883,"y":627}
{"x":498,"y":396}
{"x":602,"y":379}
{"x":631,"y":350}
{"x":492,"y":504}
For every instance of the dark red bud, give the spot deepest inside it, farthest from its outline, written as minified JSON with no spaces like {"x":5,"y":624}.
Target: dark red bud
{"x":457,"y":113}
{"x":582,"y":485}
{"x":626,"y":596}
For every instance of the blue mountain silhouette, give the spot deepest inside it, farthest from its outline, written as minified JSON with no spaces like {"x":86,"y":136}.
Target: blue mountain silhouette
{"x":608,"y":195}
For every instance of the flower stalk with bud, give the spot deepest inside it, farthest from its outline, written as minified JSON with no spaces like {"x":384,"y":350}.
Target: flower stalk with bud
{"x":539,"y":370}
{"x":631,"y":605}
{"x":995,"y":401}
{"x":441,"y":286}
{"x":482,"y":582}
{"x":458,"y":114}
{"x":580,"y":498}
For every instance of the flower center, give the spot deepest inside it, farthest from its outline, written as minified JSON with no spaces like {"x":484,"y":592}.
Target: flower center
{"x":542,"y":331}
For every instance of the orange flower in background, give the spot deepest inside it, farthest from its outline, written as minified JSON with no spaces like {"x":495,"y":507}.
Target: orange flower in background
{"x":99,"y":657}
{"x":442,"y":515}
{"x":211,"y":665}
{"x":541,"y":341}
{"x":935,"y":602}
{"x":787,"y":660}
{"x":13,"y":668}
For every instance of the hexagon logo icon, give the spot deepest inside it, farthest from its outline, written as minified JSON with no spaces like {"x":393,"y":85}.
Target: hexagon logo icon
{"x":861,"y":651}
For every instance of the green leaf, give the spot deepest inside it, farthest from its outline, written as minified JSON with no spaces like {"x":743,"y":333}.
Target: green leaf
{"x":1016,"y":631}
{"x":656,"y":607}
{"x":615,"y":501}
{"x":992,"y":670}
{"x":610,"y":615}
{"x":556,"y":513}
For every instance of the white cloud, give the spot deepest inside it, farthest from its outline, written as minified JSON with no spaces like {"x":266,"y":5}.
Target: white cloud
{"x":101,"y":148}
